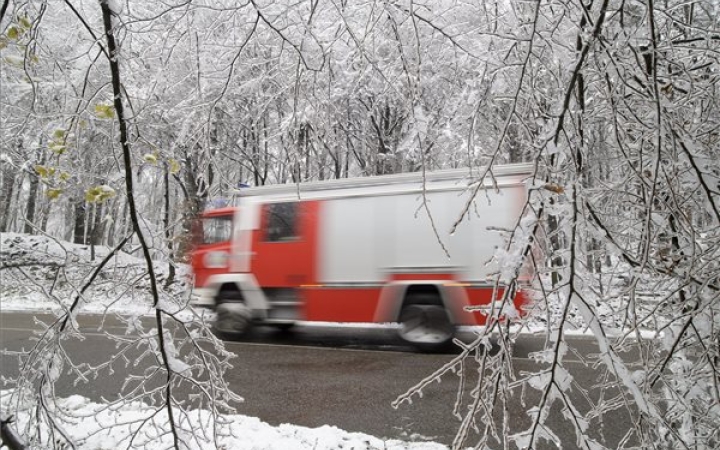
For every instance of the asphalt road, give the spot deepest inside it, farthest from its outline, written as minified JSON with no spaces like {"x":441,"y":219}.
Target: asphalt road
{"x":345,"y":377}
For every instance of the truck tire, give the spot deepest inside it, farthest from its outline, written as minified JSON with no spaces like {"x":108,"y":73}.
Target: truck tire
{"x":233,"y":317}
{"x":425,"y":324}
{"x":284,"y":327}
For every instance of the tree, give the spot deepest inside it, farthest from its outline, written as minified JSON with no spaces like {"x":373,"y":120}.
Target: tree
{"x":622,"y":155}
{"x":161,"y":346}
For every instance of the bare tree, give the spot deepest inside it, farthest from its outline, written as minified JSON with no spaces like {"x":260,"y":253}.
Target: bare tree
{"x":645,"y":195}
{"x":171,"y":352}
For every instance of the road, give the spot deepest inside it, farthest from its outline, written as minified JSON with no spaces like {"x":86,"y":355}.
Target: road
{"x":318,"y":375}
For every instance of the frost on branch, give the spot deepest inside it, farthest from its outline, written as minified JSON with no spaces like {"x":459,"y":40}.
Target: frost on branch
{"x":622,"y":131}
{"x":118,"y":288}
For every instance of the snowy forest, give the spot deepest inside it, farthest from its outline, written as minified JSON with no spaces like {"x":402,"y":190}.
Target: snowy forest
{"x":120,"y":120}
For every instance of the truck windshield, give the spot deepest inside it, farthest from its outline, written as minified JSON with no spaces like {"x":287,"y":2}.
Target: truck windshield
{"x":215,"y":229}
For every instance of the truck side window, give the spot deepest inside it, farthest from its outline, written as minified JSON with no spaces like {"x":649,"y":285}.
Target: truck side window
{"x":281,"y":223}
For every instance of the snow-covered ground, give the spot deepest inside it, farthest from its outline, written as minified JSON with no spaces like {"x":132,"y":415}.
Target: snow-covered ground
{"x":41,"y":273}
{"x":38,"y":273}
{"x":90,"y":430}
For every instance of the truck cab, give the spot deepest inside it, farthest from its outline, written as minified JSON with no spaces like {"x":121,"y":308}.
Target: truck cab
{"x":211,"y":248}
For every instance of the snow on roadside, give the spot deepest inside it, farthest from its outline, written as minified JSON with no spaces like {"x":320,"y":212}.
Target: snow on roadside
{"x":43,"y":274}
{"x":94,"y":426}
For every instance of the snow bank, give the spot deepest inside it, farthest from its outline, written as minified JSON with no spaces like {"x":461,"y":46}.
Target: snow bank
{"x":95,"y":427}
{"x":41,"y":273}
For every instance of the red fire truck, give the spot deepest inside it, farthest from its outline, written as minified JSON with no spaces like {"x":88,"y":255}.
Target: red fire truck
{"x":376,"y":249}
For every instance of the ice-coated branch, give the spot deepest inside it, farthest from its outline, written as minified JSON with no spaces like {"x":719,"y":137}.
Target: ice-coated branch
{"x":8,"y":436}
{"x":3,"y":9}
{"x":113,"y":60}
{"x":578,"y":68}
{"x":487,"y":171}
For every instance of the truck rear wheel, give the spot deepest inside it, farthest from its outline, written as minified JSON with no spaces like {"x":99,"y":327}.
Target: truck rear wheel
{"x":425,"y":324}
{"x":233,"y":316}
{"x":283,"y":327}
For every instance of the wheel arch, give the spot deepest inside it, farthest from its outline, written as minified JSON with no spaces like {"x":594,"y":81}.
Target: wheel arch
{"x":229,"y":286}
{"x":244,"y":283}
{"x":397,"y":294}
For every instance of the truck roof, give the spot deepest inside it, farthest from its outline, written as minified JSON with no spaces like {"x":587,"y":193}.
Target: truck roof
{"x":402,"y":182}
{"x":218,"y":212}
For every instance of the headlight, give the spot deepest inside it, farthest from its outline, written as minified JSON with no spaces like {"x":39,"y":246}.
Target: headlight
{"x":215,"y":260}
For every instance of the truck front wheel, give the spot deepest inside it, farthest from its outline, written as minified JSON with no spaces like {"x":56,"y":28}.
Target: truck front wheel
{"x":426,"y":326}
{"x":233,"y":316}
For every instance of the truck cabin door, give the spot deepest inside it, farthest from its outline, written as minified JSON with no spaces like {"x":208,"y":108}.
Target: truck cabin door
{"x":284,"y":253}
{"x":211,"y":245}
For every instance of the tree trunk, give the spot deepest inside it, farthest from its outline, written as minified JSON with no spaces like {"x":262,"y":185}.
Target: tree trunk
{"x":45,"y":216}
{"x":7,"y":188}
{"x":96,"y":231}
{"x":80,"y":217}
{"x":31,"y":204}
{"x":166,"y":226}
{"x":98,"y":225}
{"x":125,"y":223}
{"x":556,"y":242}
{"x":195,"y":197}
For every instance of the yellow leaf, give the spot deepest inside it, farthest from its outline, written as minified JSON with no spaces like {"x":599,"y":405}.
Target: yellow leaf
{"x":53,"y":193}
{"x":64,"y":176}
{"x":57,"y":148}
{"x":150,"y":158}
{"x":174,"y":166}
{"x":42,"y":171}
{"x":98,"y":194}
{"x":553,"y":187}
{"x":59,"y":134}
{"x":106,"y":192}
{"x":13,"y":33}
{"x":25,"y":23}
{"x":104,"y":111}
{"x":13,"y":61}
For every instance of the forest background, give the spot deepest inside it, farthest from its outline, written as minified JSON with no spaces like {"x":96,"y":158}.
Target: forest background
{"x":122,"y":120}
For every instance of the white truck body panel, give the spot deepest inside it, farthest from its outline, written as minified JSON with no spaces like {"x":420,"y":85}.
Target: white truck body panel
{"x":365,"y":237}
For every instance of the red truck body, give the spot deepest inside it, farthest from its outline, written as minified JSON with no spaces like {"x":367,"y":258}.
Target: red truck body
{"x":376,"y":249}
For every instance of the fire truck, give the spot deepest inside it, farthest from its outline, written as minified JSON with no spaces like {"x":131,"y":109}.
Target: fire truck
{"x":377,"y":249}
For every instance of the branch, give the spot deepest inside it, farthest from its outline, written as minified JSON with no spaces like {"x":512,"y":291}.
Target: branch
{"x":282,"y":36}
{"x":17,"y":265}
{"x":7,"y":434}
{"x":127,"y":162}
{"x":488,"y":170}
{"x":3,"y":10}
{"x":578,"y":66}
{"x":87,"y":27}
{"x":706,"y":189}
